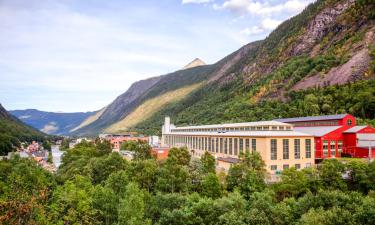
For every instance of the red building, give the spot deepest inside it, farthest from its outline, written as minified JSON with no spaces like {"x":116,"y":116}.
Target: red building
{"x":335,"y":134}
{"x":117,"y":140}
{"x":160,"y":153}
{"x":359,"y":141}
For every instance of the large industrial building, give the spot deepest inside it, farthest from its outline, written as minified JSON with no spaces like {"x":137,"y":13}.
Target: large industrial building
{"x":282,"y":143}
{"x":278,"y":143}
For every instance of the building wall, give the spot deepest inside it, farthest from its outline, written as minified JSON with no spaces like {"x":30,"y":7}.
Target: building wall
{"x":197,"y":145}
{"x":351,"y":144}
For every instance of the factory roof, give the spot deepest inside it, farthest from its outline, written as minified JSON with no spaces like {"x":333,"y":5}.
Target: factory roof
{"x":317,"y":131}
{"x":355,"y":129}
{"x":278,"y":133}
{"x":312,"y":118}
{"x":230,"y":125}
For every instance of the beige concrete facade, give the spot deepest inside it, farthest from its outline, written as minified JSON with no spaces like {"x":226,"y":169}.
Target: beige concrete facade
{"x":279,"y":149}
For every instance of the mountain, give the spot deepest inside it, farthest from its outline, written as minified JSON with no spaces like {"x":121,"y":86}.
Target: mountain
{"x":196,"y":62}
{"x":318,"y":62}
{"x":13,"y":131}
{"x":51,"y":122}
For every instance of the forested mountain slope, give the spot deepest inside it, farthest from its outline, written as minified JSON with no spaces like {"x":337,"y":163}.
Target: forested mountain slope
{"x":13,"y":131}
{"x":328,"y":48}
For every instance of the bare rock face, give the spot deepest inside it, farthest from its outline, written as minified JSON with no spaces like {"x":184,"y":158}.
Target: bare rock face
{"x":350,"y":71}
{"x":196,"y":62}
{"x":318,"y":27}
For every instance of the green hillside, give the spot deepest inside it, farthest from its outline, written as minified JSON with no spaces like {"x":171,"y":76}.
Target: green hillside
{"x":13,"y":132}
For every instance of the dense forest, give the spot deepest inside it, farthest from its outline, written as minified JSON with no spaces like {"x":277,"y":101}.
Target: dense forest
{"x":95,"y":186}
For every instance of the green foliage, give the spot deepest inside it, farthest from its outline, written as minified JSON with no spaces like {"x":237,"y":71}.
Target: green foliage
{"x":141,"y":149}
{"x":13,"y":132}
{"x":208,"y":162}
{"x":179,"y":156}
{"x":177,"y":191}
{"x":132,"y":207}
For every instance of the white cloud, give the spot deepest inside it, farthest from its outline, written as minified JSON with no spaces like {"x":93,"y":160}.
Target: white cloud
{"x":241,"y":7}
{"x":252,"y":31}
{"x":195,"y":1}
{"x":270,"y":24}
{"x":266,"y":24}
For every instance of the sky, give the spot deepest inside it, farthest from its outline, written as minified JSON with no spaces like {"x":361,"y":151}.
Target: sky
{"x":79,"y":55}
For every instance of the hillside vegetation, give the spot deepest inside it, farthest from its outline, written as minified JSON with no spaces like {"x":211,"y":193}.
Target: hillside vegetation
{"x":13,"y":132}
{"x":329,"y":47}
{"x":95,"y":186}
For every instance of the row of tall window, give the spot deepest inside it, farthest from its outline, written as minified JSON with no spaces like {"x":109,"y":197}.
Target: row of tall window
{"x":231,"y":146}
{"x":286,"y":149}
{"x":333,"y":147}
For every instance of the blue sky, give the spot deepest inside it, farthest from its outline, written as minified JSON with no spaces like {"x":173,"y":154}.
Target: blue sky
{"x":72,"y":56}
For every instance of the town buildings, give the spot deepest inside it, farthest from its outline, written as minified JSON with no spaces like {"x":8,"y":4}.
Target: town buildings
{"x":117,"y":140}
{"x":278,"y":143}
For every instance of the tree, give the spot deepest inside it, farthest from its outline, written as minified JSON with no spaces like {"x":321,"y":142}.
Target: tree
{"x":208,"y":162}
{"x":104,"y":147}
{"x":179,"y":156}
{"x":105,"y":202}
{"x":331,"y":173}
{"x":132,"y":207}
{"x":172,"y":178}
{"x":101,"y":167}
{"x":141,"y":149}
{"x":72,"y":203}
{"x":248,"y":175}
{"x":144,"y":173}
{"x":211,"y":186}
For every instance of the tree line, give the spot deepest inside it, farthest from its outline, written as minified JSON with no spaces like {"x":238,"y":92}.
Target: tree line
{"x":97,"y":186}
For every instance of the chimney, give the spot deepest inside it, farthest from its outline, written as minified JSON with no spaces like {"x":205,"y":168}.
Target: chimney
{"x":167,"y":124}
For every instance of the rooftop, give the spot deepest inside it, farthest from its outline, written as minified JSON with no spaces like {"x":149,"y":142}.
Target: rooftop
{"x":228,"y":159}
{"x":355,"y":129}
{"x":278,"y":133}
{"x":312,"y":118}
{"x":317,"y":131}
{"x":231,"y":125}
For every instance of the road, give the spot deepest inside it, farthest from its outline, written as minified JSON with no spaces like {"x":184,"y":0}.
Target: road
{"x":56,"y":155}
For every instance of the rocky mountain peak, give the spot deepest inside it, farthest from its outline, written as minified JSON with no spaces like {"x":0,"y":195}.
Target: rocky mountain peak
{"x":196,"y":62}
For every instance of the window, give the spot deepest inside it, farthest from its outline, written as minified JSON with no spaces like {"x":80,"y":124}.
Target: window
{"x":339,"y":147}
{"x":210,"y":144}
{"x":235,"y":146}
{"x":225,"y":145}
{"x":217,"y":144}
{"x":274,"y":128}
{"x":333,"y":148}
{"x":308,"y":148}
{"x":297,"y":166}
{"x":273,"y":149}
{"x":230,"y":146}
{"x":254,"y":144}
{"x":285,"y":148}
{"x":221,"y":145}
{"x":281,"y":128}
{"x":247,"y":145}
{"x":297,"y":148}
{"x":273,"y":167}
{"x":349,"y":122}
{"x":308,"y":165}
{"x":241,"y":144}
{"x":285,"y":166}
{"x":325,"y":148}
